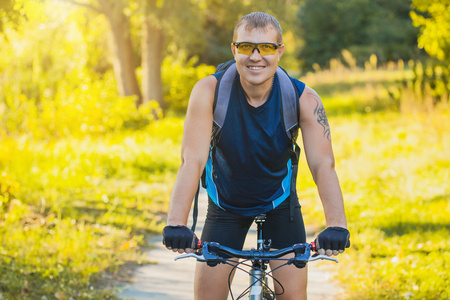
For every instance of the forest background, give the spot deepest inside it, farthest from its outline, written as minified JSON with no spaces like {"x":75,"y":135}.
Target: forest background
{"x":92,"y":99}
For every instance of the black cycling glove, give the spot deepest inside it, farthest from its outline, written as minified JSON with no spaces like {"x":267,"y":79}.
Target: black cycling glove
{"x":333,"y":238}
{"x":179,"y":237}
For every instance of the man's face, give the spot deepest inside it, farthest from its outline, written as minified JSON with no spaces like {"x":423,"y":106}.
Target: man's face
{"x":256,"y":69}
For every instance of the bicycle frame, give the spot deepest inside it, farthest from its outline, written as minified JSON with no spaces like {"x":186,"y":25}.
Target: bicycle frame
{"x":258,"y":279}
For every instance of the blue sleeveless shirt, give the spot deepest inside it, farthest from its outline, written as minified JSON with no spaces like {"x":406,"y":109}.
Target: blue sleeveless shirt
{"x":250,"y":171}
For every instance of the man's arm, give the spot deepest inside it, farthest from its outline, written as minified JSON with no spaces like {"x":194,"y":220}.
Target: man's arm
{"x":319,"y":155}
{"x":194,"y":150}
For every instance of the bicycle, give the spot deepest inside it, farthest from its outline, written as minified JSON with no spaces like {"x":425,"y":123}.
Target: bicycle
{"x":259,"y":288}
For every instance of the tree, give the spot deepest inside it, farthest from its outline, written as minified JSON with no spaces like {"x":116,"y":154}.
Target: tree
{"x":161,"y":23}
{"x":433,"y":19}
{"x":363,"y":27}
{"x":152,"y":55}
{"x":123,"y":59}
{"x":434,"y":26}
{"x":171,"y":26}
{"x":10,"y":13}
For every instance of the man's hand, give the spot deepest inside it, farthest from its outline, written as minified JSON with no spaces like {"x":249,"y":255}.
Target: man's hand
{"x":179,"y":238}
{"x":332,"y":241}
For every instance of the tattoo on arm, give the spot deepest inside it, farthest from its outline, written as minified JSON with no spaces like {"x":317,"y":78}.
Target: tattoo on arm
{"x":322,"y":119}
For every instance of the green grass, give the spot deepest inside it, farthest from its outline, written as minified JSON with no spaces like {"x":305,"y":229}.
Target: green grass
{"x":74,"y":210}
{"x":394,"y":171}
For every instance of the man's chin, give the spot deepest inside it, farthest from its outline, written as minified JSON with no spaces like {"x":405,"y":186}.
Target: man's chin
{"x":257,"y":80}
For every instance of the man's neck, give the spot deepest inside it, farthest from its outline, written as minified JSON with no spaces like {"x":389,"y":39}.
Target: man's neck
{"x":257,"y":95}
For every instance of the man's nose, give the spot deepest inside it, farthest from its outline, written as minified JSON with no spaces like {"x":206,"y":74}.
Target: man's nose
{"x":256,"y":55}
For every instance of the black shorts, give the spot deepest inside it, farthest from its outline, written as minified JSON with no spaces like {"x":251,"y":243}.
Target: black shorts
{"x":230,"y":229}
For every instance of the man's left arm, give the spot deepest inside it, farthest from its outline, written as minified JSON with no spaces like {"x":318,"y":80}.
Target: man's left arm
{"x":319,"y":155}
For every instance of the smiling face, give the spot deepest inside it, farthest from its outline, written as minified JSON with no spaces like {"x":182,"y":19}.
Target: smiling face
{"x":255,"y":69}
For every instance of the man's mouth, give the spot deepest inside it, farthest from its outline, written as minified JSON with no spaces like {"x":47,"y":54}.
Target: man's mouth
{"x":255,"y":67}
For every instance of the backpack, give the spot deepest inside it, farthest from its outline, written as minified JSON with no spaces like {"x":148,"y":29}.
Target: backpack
{"x":289,"y":114}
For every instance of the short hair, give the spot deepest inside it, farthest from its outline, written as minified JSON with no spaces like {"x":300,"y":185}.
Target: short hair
{"x":261,"y":21}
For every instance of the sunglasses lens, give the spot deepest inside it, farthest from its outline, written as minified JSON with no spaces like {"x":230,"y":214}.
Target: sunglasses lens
{"x":246,"y":48}
{"x":267,"y":49}
{"x":264,"y":49}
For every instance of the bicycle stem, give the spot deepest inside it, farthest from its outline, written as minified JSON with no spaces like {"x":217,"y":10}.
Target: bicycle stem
{"x":260,"y":220}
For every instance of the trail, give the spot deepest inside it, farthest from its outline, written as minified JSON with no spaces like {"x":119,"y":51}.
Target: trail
{"x":170,"y":280}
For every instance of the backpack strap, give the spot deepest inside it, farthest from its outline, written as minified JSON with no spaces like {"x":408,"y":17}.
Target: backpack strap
{"x":289,"y":99}
{"x":290,"y":115}
{"x":222,"y":98}
{"x":195,"y":210}
{"x":293,"y":198}
{"x":224,"y":65}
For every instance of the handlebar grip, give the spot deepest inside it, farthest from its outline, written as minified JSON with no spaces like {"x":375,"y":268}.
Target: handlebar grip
{"x":199,"y":245}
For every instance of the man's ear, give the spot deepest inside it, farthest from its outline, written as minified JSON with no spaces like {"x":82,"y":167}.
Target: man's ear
{"x":280,"y":51}
{"x":233,"y":50}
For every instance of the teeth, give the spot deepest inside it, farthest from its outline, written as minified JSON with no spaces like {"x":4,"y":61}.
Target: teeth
{"x":255,"y":68}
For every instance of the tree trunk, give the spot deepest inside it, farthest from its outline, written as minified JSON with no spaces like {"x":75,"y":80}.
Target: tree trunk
{"x":152,"y":57}
{"x":123,"y":57}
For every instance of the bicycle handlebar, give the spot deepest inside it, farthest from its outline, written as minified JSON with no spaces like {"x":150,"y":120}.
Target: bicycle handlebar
{"x":210,"y":253}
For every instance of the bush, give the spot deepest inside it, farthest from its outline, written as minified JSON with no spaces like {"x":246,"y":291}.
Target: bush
{"x":179,"y":77}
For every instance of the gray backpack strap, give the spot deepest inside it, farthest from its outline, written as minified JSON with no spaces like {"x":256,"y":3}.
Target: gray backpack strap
{"x":221,"y":100}
{"x":223,"y":93}
{"x":289,"y":101}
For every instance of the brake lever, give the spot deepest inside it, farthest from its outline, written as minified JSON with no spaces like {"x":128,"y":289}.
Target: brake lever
{"x":195,"y":255}
{"x":321,"y":256}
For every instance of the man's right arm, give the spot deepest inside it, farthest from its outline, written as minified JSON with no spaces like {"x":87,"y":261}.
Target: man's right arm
{"x":194,"y":150}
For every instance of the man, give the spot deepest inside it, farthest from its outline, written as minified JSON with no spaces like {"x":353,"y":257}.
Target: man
{"x":251,"y":163}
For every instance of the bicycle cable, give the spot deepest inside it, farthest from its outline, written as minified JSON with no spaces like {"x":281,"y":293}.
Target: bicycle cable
{"x":267,"y":274}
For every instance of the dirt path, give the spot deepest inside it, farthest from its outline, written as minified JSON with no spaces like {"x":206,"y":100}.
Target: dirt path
{"x":169,"y":280}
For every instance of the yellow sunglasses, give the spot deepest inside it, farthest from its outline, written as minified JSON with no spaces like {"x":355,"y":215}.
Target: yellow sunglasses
{"x":247,"y":48}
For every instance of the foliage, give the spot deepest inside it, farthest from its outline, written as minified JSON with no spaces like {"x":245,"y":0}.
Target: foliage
{"x":48,"y":89}
{"x":431,"y":80}
{"x":74,"y":210}
{"x":179,"y":78}
{"x":75,"y":108}
{"x":397,"y":86}
{"x":361,"y":26}
{"x":434,"y":74}
{"x":434,"y":27}
{"x":394,"y":171}
{"x":10,"y":13}
{"x":397,"y":205}
{"x":181,"y":21}
{"x":372,"y":89}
